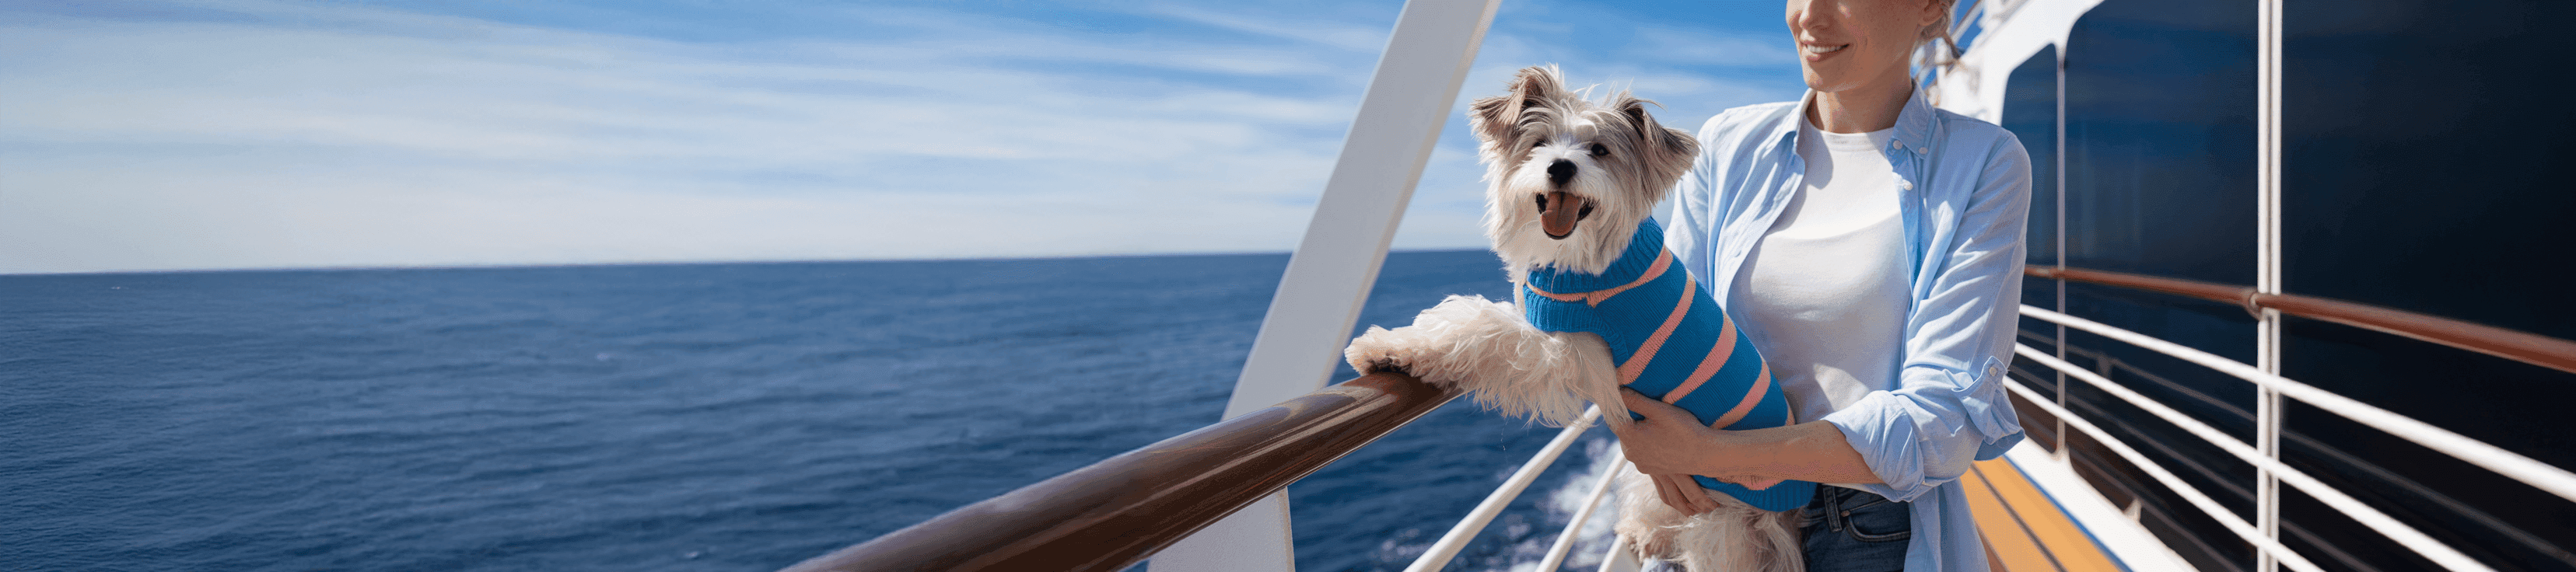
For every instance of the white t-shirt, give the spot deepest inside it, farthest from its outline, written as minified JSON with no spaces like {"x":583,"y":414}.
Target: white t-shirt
{"x":1824,"y":292}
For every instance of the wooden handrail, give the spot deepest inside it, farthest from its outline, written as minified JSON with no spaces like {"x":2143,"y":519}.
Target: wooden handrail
{"x":1116,"y":512}
{"x":2526,"y":347}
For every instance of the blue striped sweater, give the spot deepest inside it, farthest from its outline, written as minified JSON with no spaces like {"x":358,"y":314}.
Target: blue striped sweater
{"x":1672,"y":342}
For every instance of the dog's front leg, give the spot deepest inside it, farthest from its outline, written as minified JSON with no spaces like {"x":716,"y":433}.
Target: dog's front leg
{"x":1488,"y":349}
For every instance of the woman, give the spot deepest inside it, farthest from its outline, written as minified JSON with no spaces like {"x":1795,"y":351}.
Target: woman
{"x":1871,"y":246}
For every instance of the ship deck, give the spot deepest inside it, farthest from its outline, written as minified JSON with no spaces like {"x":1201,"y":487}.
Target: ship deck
{"x":2025,"y":530}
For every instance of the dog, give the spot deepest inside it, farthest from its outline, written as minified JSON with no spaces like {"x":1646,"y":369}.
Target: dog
{"x":1571,"y":184}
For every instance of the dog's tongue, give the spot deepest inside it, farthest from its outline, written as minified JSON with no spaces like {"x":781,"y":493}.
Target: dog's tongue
{"x":1558,"y":216}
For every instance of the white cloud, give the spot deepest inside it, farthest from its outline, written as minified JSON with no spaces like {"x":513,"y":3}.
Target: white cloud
{"x":1699,"y":47}
{"x":1347,"y":37}
{"x":289,"y":135}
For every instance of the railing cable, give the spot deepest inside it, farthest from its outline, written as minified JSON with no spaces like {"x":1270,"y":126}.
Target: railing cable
{"x":2197,"y":499}
{"x":2513,"y":465}
{"x":2412,"y":539}
{"x":1565,"y":540}
{"x":1449,"y":544}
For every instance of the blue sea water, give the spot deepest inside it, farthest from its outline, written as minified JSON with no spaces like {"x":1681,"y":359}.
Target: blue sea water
{"x":670,"y":417}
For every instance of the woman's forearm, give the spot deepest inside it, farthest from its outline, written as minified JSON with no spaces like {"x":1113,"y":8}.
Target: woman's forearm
{"x":1671,"y":441}
{"x":1813,"y":451}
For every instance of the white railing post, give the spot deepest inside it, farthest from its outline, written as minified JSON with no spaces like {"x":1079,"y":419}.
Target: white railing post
{"x":2060,"y":246}
{"x":1328,"y":278}
{"x":1564,"y":545}
{"x":2267,"y":350}
{"x":1438,"y":555}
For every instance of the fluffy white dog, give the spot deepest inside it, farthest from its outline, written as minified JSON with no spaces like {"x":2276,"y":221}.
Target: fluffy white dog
{"x":1571,"y":184}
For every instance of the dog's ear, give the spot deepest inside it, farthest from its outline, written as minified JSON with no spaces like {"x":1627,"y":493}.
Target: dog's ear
{"x":1495,"y":117}
{"x":1492,"y":117}
{"x":1665,"y":152}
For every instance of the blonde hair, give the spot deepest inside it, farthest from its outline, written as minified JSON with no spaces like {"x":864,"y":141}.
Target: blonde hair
{"x":1935,"y":46}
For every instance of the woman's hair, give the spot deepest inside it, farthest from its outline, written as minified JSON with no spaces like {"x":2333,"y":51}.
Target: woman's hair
{"x":1936,"y":47}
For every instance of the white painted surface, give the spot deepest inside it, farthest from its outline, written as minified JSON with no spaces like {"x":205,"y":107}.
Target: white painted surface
{"x":1328,"y":279}
{"x":2267,"y":269}
{"x":2126,"y":540}
{"x":2009,"y":37}
{"x":1257,"y":538}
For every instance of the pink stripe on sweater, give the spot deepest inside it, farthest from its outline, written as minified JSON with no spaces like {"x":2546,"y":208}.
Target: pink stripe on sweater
{"x":1596,"y":297}
{"x":1646,"y":352}
{"x":1751,"y":398}
{"x":1708,"y":366}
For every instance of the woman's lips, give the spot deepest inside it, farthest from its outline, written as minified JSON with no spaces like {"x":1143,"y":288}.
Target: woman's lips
{"x":1815,"y":52}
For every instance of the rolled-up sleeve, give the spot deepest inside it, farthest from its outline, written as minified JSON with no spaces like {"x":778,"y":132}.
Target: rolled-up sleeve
{"x":1950,"y":407}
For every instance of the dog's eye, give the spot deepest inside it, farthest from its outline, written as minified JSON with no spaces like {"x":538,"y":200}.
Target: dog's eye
{"x":1598,"y":150}
{"x":1540,"y":143}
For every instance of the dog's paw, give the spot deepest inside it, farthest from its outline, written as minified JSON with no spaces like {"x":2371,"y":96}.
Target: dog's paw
{"x":1383,"y":350}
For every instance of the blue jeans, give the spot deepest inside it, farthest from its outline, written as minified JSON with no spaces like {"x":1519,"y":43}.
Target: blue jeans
{"x":1857,"y":531}
{"x":1847,"y":531}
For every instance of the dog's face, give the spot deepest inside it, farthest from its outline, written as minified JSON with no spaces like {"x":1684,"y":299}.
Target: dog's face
{"x":1569,"y":179}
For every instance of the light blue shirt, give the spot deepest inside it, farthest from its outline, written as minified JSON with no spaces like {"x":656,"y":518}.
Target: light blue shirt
{"x":1965,"y":191}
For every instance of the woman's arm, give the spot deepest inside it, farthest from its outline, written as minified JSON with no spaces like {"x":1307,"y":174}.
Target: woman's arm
{"x":1671,"y":441}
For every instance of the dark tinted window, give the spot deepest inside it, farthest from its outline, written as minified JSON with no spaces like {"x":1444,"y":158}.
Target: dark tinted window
{"x":2160,"y":180}
{"x":2422,"y":153}
{"x":2030,"y":112}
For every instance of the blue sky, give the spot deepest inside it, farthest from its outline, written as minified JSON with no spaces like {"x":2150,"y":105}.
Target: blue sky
{"x":254,"y":134}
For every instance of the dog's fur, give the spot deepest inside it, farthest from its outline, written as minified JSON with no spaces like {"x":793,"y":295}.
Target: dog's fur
{"x":1623,"y":163}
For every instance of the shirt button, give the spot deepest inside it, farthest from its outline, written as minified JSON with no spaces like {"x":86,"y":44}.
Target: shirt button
{"x":1900,"y":144}
{"x":1905,"y":184}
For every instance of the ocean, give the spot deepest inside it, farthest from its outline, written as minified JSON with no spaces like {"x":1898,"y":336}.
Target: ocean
{"x":698,"y":417}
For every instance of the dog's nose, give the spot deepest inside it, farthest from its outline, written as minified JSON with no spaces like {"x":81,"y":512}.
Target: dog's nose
{"x":1560,"y":172}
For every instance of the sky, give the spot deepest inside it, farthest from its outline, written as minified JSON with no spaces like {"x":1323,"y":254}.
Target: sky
{"x":230,"y":134}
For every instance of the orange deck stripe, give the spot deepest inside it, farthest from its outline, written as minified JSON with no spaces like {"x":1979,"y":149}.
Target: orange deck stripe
{"x":2007,"y":541}
{"x":2049,"y":524}
{"x":1646,"y":351}
{"x":1709,"y":365}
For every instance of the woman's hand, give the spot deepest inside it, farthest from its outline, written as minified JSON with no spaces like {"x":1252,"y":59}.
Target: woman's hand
{"x":1669,"y":440}
{"x":1682,"y":493}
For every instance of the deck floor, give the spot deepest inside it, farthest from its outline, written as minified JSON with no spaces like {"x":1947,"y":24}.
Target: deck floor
{"x":2024,"y":531}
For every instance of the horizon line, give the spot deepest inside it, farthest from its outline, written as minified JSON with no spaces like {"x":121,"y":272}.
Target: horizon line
{"x":508,"y":266}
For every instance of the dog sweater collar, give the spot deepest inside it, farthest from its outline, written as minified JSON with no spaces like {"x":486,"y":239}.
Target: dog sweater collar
{"x":1643,"y":261}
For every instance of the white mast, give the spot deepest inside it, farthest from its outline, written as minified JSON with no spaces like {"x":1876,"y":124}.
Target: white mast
{"x":1328,"y":278}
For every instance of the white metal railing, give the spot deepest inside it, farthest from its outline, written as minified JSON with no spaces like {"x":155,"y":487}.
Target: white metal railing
{"x":2105,"y":363}
{"x":2377,"y":521}
{"x":2190,"y":494}
{"x":1447,"y":548}
{"x":1449,"y":544}
{"x":2513,"y":465}
{"x":2541,"y":475}
{"x":2264,"y":538}
{"x":1565,"y":540}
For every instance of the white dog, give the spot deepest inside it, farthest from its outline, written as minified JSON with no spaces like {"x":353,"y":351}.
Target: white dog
{"x":1571,"y":184}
